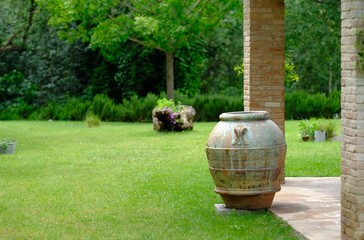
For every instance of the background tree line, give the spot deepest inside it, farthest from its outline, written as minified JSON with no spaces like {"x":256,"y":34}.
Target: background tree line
{"x":53,"y":51}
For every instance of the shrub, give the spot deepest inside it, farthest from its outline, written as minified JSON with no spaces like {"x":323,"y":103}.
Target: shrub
{"x":16,"y":111}
{"x":303,"y":105}
{"x":330,"y":129}
{"x":133,"y":110}
{"x":92,"y":120}
{"x":73,"y":109}
{"x":104,"y":107}
{"x":209,"y":107}
{"x":147,"y":107}
{"x":15,"y":90}
{"x":46,"y":112}
{"x":298,"y":105}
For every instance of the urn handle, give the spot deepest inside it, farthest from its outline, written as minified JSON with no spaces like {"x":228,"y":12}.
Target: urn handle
{"x":238,"y":138}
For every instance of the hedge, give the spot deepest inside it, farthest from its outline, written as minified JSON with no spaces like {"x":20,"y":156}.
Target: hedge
{"x":298,"y":105}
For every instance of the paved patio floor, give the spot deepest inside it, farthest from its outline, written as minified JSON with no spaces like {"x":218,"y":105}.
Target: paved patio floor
{"x":311,"y":206}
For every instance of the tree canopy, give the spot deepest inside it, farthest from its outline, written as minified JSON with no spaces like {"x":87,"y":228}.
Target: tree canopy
{"x":313,"y":42}
{"x":118,"y":48}
{"x":163,"y":25}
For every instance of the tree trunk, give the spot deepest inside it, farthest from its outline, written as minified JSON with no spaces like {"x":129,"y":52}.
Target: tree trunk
{"x":330,"y":78}
{"x":170,"y":75}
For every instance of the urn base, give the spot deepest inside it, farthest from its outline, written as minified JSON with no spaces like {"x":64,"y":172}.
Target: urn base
{"x":249,"y":202}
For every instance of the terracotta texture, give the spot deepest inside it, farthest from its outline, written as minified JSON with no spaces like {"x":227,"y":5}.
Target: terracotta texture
{"x":246,"y":153}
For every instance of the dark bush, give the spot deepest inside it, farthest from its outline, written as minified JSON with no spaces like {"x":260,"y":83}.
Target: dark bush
{"x":303,"y":105}
{"x":298,"y":105}
{"x":73,"y":109}
{"x":209,"y":107}
{"x":105,"y":108}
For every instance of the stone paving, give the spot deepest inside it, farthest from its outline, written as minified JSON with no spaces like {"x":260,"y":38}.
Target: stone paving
{"x":311,"y":206}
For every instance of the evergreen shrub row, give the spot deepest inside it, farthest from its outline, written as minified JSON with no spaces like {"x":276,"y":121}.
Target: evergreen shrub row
{"x":298,"y":105}
{"x":136,"y":109}
{"x":302,"y":105}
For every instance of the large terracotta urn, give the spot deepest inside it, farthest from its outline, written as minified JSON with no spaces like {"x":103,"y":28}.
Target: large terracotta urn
{"x":246,"y":153}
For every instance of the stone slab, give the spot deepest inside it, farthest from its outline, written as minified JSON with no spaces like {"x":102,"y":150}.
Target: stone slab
{"x":311,"y":206}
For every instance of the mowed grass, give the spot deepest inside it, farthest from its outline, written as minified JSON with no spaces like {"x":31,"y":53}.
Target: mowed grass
{"x":311,"y":159}
{"x":126,"y":181}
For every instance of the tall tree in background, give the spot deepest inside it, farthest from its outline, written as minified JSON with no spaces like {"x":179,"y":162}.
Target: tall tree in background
{"x":164,"y":25}
{"x":15,"y":23}
{"x":313,"y":42}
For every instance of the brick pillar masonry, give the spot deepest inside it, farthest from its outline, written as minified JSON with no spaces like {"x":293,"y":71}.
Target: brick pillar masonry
{"x":264,"y":58}
{"x":352,"y":113}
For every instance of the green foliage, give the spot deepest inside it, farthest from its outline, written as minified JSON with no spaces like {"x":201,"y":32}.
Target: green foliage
{"x":139,"y":71}
{"x":167,"y":26}
{"x":4,"y":143}
{"x":291,"y":78}
{"x":165,"y":103}
{"x":15,"y":91}
{"x":331,"y":130}
{"x":48,"y":69}
{"x":224,"y":51}
{"x":308,"y":128}
{"x":239,"y":69}
{"x":298,"y":105}
{"x":190,"y":63}
{"x":137,"y":109}
{"x":209,"y":107}
{"x":313,"y":41}
{"x":16,"y":111}
{"x":73,"y":109}
{"x":92,"y":120}
{"x":14,"y":23}
{"x":133,"y":109}
{"x":302,"y":105}
{"x":104,"y":107}
{"x":360,"y":48}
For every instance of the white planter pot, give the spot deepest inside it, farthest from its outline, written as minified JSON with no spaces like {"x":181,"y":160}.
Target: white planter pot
{"x":320,"y":136}
{"x":9,"y":150}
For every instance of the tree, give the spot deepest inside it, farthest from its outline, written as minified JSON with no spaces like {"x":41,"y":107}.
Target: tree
{"x":313,"y":42}
{"x":16,"y":19}
{"x":164,"y":25}
{"x":224,"y":51}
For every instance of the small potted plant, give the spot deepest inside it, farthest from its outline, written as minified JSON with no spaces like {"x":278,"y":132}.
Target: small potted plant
{"x":7,"y":146}
{"x":307,"y":130}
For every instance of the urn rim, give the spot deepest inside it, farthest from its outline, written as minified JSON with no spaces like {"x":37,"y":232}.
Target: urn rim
{"x":244,"y":115}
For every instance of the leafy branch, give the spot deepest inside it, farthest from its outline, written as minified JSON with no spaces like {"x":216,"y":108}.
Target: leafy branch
{"x":9,"y":45}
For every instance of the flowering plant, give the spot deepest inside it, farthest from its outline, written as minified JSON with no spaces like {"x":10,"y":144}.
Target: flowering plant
{"x":167,"y":116}
{"x":173,"y":112}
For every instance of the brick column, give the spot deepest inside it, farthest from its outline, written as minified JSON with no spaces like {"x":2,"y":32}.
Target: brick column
{"x":264,"y":58}
{"x":352,"y":113}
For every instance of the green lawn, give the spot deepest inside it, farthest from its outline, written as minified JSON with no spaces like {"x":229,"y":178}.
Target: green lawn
{"x":126,"y":181}
{"x":311,"y":159}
